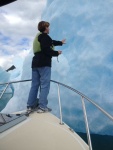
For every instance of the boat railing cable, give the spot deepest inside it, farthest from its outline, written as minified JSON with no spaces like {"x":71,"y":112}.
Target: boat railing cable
{"x":83,"y":97}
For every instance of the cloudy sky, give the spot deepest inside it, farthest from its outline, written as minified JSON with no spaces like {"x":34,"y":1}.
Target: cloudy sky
{"x":18,"y":26}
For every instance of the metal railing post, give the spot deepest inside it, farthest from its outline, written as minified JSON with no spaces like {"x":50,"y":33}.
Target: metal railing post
{"x":60,"y":104}
{"x":86,"y":123}
{"x":4,"y":90}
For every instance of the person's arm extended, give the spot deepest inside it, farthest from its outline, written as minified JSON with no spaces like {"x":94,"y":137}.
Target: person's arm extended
{"x":58,"y":43}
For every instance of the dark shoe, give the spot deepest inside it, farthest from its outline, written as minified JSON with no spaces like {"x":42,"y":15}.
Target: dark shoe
{"x":29,"y":109}
{"x":34,"y":107}
{"x":49,"y":109}
{"x":42,"y":110}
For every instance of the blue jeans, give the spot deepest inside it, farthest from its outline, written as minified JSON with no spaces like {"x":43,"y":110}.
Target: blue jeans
{"x":40,"y":78}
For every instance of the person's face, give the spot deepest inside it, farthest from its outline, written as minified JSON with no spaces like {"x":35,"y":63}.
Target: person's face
{"x":47,"y":30}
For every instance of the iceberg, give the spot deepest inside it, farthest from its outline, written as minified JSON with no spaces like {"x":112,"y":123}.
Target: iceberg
{"x":86,"y":63}
{"x":88,"y":53}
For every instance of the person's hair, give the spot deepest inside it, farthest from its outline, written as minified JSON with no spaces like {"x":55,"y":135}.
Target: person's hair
{"x":42,"y":25}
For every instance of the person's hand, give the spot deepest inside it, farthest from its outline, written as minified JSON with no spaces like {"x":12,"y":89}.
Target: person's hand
{"x":64,"y":41}
{"x":59,"y":52}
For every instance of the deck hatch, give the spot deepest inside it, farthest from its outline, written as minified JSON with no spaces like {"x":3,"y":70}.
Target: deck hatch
{"x":9,"y":120}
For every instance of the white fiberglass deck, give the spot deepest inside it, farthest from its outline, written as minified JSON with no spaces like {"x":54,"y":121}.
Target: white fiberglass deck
{"x":41,"y":132}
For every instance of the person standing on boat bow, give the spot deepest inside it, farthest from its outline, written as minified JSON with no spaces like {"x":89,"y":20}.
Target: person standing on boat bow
{"x":43,"y":47}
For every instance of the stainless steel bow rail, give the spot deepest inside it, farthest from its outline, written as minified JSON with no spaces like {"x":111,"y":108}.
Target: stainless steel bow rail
{"x":60,"y":108}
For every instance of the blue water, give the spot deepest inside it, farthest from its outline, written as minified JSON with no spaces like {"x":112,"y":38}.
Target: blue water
{"x":5,"y":77}
{"x":4,"y":100}
{"x":99,"y":142}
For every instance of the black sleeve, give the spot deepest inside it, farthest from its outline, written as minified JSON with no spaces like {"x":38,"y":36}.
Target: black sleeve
{"x":46,"y":43}
{"x":57,"y":43}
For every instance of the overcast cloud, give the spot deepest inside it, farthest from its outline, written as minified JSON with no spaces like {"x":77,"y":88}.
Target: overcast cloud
{"x":18,"y":26}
